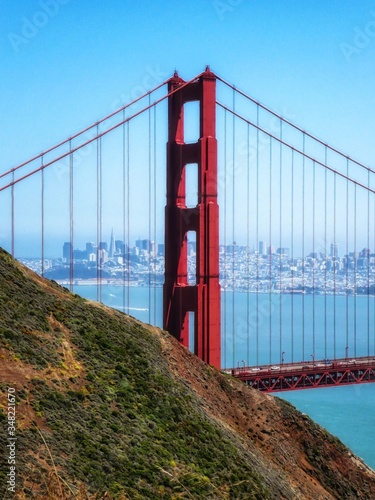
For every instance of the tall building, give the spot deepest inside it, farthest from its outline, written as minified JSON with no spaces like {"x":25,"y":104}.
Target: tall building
{"x":103,"y":245}
{"x":262,"y":248}
{"x":67,"y":251}
{"x":147,"y":245}
{"x":334,"y":250}
{"x":112,"y":246}
{"x":91,"y":247}
{"x":120,"y":247}
{"x":364,"y":253}
{"x":79,"y":255}
{"x":102,"y":256}
{"x":91,"y":252}
{"x":283,"y":251}
{"x":144,"y":245}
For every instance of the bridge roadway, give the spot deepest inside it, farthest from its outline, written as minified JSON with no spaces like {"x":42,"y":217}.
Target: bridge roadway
{"x":307,"y":374}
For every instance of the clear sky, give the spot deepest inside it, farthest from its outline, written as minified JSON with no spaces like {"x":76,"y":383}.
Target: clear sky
{"x":67,"y":63}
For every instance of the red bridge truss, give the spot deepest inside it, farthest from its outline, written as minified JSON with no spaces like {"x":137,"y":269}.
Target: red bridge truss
{"x":307,"y":375}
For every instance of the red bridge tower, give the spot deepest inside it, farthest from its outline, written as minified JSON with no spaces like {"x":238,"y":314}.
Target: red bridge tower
{"x":180,"y":297}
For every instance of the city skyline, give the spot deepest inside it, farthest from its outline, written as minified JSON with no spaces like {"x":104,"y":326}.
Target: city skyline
{"x":241,"y":268}
{"x":119,"y":246}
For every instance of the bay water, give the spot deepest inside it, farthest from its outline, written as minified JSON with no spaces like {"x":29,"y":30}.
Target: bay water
{"x":272,"y":328}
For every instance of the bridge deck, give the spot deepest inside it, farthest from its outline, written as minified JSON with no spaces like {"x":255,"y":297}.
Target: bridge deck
{"x":307,"y":375}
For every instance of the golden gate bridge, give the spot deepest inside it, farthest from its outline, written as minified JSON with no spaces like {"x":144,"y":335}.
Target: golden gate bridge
{"x":232,"y":176}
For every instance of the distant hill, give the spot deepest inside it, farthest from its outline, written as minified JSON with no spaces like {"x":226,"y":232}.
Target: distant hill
{"x":109,"y":406}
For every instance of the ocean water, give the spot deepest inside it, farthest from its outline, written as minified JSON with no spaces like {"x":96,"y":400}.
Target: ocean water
{"x":348,"y":412}
{"x":266,"y":328}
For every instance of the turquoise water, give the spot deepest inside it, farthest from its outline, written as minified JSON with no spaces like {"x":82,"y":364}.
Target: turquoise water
{"x":348,"y":412}
{"x":297,"y":326}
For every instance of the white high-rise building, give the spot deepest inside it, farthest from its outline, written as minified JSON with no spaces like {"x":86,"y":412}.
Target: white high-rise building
{"x":262,"y":248}
{"x":112,"y":246}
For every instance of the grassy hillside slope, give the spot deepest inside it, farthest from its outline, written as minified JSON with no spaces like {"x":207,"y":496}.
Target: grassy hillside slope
{"x":106,"y":404}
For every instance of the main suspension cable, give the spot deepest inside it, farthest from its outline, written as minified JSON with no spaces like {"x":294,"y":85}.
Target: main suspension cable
{"x":299,"y":129}
{"x":301,"y":152}
{"x":89,"y":141}
{"x":94,"y":125}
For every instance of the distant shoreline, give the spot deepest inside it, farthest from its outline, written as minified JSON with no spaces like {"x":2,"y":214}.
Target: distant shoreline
{"x":137,"y":284}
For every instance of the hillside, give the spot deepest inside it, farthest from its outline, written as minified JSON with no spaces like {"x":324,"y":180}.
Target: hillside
{"x":107,"y":405}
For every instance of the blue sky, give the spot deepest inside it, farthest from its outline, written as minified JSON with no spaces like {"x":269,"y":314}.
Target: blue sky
{"x":66,"y":63}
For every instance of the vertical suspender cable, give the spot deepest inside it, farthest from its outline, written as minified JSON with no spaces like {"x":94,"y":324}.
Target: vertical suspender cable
{"x":303,"y":245}
{"x":233,"y":219}
{"x":355,"y":272}
{"x":368,"y":264}
{"x":149,"y":210}
{"x":12,"y":214}
{"x":101,"y":217}
{"x":334,"y":263}
{"x":325,"y":254}
{"x":257,"y":239}
{"x":123,"y":211}
{"x":98,"y":251}
{"x":248,"y":245}
{"x":225,"y":273}
{"x":292,"y":259}
{"x":270,"y":257}
{"x":71,"y":267}
{"x":347,"y":261}
{"x":281,"y":244}
{"x":313,"y":263}
{"x":155,"y":191}
{"x":42,"y":208}
{"x":128,"y":210}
